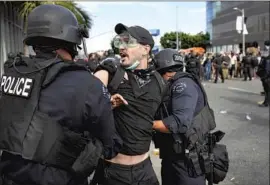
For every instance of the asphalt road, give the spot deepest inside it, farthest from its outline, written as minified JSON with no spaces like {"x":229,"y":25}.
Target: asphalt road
{"x":247,"y":140}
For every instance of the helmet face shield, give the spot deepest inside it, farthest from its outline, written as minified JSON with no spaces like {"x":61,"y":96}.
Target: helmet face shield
{"x":124,"y":40}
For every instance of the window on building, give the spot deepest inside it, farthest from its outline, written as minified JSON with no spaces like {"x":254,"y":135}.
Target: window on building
{"x":253,"y":24}
{"x":229,"y":48}
{"x":267,"y":20}
{"x":224,"y":48}
{"x":263,"y":23}
{"x":214,"y":49}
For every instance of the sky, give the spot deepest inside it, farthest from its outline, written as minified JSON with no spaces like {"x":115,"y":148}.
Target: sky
{"x":150,"y":15}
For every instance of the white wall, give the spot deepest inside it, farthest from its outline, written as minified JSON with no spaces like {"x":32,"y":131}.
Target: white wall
{"x":11,"y":33}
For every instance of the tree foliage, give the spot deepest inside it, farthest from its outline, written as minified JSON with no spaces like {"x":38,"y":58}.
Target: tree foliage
{"x":83,"y":18}
{"x":168,"y":40}
{"x":25,"y":7}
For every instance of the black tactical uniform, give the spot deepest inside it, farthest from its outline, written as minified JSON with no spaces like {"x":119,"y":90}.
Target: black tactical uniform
{"x":193,"y":65}
{"x":264,"y":73}
{"x":53,"y":112}
{"x":247,"y":62}
{"x":110,"y":53}
{"x":218,"y":68}
{"x":183,"y":107}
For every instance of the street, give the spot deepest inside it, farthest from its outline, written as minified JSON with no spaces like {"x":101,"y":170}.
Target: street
{"x":247,"y":130}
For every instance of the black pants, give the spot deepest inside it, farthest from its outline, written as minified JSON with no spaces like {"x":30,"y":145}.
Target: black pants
{"x":266,"y":89}
{"x":232,"y":69}
{"x":219,"y":72}
{"x":174,"y":172}
{"x":247,"y":73}
{"x":116,"y":174}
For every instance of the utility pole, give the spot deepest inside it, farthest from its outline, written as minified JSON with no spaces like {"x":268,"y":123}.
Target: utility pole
{"x":243,"y":33}
{"x":177,"y":39}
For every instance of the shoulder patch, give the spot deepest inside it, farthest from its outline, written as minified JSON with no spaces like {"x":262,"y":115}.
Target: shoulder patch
{"x":180,"y":87}
{"x":17,"y":86}
{"x":178,"y":58}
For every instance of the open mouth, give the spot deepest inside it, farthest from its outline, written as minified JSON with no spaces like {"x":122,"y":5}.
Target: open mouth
{"x":123,"y":56}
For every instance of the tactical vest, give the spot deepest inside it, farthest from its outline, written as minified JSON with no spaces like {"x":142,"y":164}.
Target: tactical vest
{"x":193,"y":66}
{"x":203,"y":122}
{"x":26,"y":131}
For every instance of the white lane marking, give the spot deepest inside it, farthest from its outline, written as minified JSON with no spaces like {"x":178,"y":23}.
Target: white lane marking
{"x":242,"y":90}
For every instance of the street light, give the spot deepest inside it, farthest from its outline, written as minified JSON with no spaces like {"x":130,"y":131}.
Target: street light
{"x":177,"y":42}
{"x":243,"y":24}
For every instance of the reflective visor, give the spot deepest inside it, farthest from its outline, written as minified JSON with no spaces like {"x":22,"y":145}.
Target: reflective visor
{"x":124,"y":40}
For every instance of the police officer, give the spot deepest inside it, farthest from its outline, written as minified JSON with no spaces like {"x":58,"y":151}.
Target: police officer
{"x":247,"y":62}
{"x":55,"y":117}
{"x":111,"y":53}
{"x":182,"y":105}
{"x":136,"y":90}
{"x":217,"y":63}
{"x":193,"y":64}
{"x":264,"y":73}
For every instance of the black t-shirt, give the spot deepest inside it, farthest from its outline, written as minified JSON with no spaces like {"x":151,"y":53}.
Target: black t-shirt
{"x":227,"y":60}
{"x":134,"y":121}
{"x":218,"y":61}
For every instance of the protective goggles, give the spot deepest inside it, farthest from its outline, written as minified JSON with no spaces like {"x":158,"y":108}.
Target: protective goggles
{"x":124,"y":40}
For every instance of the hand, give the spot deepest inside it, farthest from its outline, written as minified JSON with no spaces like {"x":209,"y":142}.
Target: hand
{"x":118,"y":100}
{"x":158,"y":125}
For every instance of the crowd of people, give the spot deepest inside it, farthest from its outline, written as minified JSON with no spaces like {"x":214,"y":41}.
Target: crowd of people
{"x":208,"y":66}
{"x":231,"y":65}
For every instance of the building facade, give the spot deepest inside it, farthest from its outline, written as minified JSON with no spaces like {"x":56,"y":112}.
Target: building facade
{"x":212,"y":8}
{"x":11,"y":32}
{"x":223,"y":26}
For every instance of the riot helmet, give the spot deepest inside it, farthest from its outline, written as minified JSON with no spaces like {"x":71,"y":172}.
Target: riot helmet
{"x":267,"y":44}
{"x":110,"y":52}
{"x":114,"y":60}
{"x":53,"y":26}
{"x":169,"y":60}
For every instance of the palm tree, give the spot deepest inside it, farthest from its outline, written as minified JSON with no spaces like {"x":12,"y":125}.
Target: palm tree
{"x":26,"y":7}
